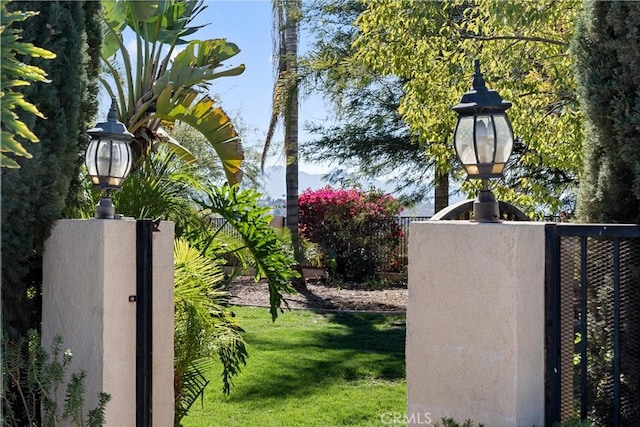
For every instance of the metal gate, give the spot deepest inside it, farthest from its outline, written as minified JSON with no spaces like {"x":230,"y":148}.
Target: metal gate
{"x":593,"y":323}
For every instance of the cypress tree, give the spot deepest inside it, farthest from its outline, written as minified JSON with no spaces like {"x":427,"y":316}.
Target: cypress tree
{"x":35,"y":195}
{"x":607,"y":54}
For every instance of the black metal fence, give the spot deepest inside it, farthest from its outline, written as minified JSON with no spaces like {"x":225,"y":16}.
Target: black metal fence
{"x":593,"y":324}
{"x":398,"y":259}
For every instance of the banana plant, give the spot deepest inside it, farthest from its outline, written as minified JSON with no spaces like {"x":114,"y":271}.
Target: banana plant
{"x":164,"y":79}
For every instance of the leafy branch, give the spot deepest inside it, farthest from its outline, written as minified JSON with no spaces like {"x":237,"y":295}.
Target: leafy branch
{"x":15,"y":73}
{"x":241,"y":210}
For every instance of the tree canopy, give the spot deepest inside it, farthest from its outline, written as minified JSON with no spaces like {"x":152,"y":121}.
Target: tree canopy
{"x":369,"y":137}
{"x":524,"y":51}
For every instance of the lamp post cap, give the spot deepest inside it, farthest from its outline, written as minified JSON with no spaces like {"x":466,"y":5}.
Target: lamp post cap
{"x":480,"y":99}
{"x":112,"y":127}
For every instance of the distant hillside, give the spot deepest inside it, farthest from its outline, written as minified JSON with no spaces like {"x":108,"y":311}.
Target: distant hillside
{"x":274,"y":183}
{"x":275,"y":187}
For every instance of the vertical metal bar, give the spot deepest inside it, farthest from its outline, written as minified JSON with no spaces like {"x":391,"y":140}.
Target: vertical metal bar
{"x":583,"y":327}
{"x":616,"y":332}
{"x":552,"y":325}
{"x":144,"y":309}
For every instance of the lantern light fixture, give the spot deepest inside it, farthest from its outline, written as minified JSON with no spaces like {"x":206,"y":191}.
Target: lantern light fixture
{"x":483,"y":139}
{"x":108,"y":159}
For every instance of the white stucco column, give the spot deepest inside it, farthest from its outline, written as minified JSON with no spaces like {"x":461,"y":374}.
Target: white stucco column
{"x":475,"y":322}
{"x":89,"y":274}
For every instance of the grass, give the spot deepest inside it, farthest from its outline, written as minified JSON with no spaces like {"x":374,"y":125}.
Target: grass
{"x":310,"y":369}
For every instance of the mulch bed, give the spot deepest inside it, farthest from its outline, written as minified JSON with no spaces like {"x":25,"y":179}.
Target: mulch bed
{"x":320,"y":296}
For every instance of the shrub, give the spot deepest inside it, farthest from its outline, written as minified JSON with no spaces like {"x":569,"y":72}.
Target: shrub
{"x":34,"y":386}
{"x":356,"y":230}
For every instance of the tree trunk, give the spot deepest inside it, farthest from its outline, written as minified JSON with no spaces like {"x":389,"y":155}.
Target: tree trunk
{"x":292,"y":11}
{"x":441,"y":191}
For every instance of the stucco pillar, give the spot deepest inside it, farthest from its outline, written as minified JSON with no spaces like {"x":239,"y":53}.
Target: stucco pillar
{"x":475,"y":322}
{"x":89,"y":275}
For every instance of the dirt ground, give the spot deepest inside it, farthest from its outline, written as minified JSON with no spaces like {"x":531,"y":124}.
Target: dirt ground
{"x":245,"y":291}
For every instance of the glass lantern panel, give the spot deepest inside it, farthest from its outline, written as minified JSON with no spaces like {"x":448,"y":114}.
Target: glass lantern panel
{"x":114,"y":181}
{"x":90,"y":157}
{"x":103,"y":159}
{"x":464,"y":141}
{"x":120,"y":159}
{"x":485,"y":139}
{"x":504,"y":136}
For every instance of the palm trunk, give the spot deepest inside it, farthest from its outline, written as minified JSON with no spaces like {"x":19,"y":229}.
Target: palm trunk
{"x":291,"y":129}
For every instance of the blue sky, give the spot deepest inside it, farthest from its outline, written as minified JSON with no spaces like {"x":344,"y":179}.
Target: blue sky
{"x":247,"y":97}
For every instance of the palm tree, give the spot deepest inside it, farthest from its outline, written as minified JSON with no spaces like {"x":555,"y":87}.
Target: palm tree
{"x":286,"y":18}
{"x":157,"y":85}
{"x":205,"y":326}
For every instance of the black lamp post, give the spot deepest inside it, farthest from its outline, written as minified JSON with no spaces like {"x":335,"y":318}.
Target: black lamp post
{"x":484,"y":140}
{"x":108,"y":160}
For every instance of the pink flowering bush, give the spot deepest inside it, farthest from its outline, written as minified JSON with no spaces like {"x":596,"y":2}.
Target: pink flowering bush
{"x":356,"y":230}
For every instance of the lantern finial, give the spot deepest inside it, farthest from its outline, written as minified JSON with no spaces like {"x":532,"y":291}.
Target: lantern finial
{"x":478,"y":80}
{"x":111,"y":116}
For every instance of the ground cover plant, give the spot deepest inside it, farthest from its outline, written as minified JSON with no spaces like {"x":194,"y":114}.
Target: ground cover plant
{"x":310,"y":369}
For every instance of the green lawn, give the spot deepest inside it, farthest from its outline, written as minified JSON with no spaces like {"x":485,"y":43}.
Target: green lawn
{"x":309,"y":369}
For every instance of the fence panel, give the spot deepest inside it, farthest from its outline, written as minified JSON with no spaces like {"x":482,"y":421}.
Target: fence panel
{"x":593,"y":324}
{"x":397,"y":261}
{"x":400,"y":258}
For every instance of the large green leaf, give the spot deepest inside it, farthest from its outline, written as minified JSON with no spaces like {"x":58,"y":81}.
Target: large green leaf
{"x":196,"y":64}
{"x":115,"y":18}
{"x":175,"y":147}
{"x":202,"y":114}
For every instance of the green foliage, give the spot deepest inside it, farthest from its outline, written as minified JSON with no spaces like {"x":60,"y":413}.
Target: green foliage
{"x":523,"y":49}
{"x":31,"y":380}
{"x":575,"y":422}
{"x":41,"y":190}
{"x":356,"y":230}
{"x":162,"y":90}
{"x":207,"y":161}
{"x":370,"y":136}
{"x":164,"y":187}
{"x":15,"y":73}
{"x":608,"y":72}
{"x":241,"y":210}
{"x":450,"y":422}
{"x":204,"y":325}
{"x":169,"y":188}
